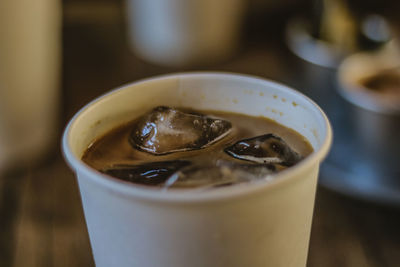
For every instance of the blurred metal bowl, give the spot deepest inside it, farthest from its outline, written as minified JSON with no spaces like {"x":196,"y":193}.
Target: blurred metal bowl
{"x":313,"y":50}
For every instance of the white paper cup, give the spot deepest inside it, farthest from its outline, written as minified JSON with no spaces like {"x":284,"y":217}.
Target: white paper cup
{"x":244,"y":225}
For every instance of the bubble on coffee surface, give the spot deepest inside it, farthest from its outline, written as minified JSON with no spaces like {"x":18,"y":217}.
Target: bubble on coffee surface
{"x":165,"y":130}
{"x":224,"y":173}
{"x":268,"y":149}
{"x":152,"y":173}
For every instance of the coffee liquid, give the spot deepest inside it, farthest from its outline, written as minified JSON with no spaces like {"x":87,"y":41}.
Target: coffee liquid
{"x":115,"y":151}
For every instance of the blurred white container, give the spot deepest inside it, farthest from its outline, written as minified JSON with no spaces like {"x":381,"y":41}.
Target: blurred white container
{"x":182,"y":32}
{"x":29,"y":76}
{"x":255,"y":224}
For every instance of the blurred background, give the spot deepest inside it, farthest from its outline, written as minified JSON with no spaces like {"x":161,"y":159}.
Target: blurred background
{"x":56,"y":56}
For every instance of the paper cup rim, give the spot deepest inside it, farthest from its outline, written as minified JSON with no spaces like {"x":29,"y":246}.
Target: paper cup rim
{"x":149,"y":193}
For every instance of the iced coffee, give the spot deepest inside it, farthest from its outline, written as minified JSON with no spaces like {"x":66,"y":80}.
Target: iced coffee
{"x":173,"y":148}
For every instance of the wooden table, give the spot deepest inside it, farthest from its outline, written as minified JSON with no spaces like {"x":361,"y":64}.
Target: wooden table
{"x":41,"y":218}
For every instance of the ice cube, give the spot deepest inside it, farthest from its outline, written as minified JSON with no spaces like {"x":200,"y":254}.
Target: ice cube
{"x":268,"y":148}
{"x":222,"y":174}
{"x":165,"y":130}
{"x":153,"y":173}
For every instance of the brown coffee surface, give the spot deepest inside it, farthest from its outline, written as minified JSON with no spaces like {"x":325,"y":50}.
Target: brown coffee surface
{"x":114,"y":147}
{"x":384,"y":88}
